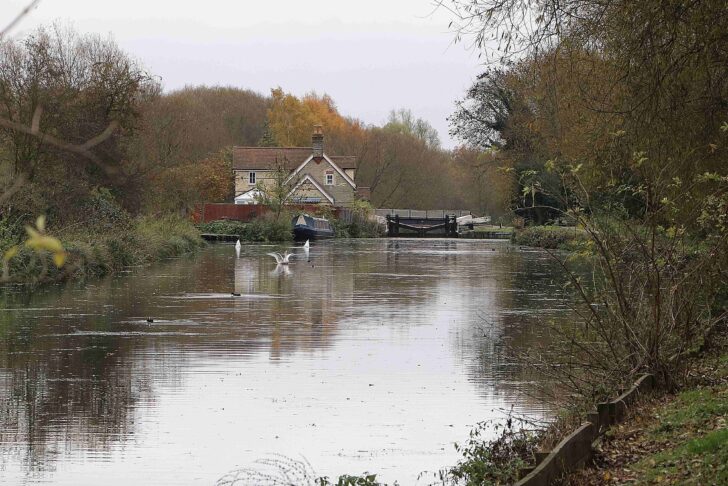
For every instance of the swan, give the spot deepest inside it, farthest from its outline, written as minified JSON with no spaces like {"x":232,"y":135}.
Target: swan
{"x":306,"y":245}
{"x":281,"y":259}
{"x":237,"y":248}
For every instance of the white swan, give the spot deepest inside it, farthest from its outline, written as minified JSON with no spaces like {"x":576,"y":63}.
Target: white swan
{"x":281,"y":259}
{"x":237,"y":249}
{"x":305,"y":245}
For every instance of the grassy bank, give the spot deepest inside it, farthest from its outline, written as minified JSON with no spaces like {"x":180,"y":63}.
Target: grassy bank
{"x":677,"y":438}
{"x":550,"y":237}
{"x":95,"y":251}
{"x":259,"y":230}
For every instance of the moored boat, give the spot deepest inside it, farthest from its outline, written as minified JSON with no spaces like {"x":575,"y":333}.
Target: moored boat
{"x":306,"y":227}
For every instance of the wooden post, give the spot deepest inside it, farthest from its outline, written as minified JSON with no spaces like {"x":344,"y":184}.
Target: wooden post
{"x":396,"y":224}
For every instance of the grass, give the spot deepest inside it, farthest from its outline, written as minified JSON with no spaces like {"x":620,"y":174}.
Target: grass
{"x":493,"y":229}
{"x":674,"y":439}
{"x":550,"y":237}
{"x":95,"y":252}
{"x":695,"y":440}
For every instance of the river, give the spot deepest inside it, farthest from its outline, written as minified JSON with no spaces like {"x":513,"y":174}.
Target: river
{"x":365,"y":355}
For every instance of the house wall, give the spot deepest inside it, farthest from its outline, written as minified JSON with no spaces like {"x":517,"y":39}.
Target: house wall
{"x":265,"y":177}
{"x":309,"y":190}
{"x":341,"y":191}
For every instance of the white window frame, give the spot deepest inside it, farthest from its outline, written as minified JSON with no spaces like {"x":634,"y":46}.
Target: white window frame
{"x":251,"y":178}
{"x":326,"y":179}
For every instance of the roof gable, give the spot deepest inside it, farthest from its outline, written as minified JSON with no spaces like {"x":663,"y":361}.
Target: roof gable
{"x":331,"y":163}
{"x":315,"y":184}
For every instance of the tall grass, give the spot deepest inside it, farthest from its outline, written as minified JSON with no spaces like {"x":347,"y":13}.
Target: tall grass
{"x":94,"y":253}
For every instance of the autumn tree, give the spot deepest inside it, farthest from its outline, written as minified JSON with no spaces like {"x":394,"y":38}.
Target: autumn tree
{"x":625,"y":105}
{"x":181,"y":188}
{"x":291,"y":121}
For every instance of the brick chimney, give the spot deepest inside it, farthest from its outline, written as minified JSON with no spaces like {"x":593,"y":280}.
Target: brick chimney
{"x":317,"y":142}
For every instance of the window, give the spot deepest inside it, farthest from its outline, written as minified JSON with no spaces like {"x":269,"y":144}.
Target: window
{"x":251,"y":178}
{"x":329,"y":179}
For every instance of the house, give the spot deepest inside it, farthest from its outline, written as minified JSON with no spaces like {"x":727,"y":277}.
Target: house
{"x":310,"y":175}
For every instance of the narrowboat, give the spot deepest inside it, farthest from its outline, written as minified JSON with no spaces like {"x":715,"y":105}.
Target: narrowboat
{"x":307,"y":227}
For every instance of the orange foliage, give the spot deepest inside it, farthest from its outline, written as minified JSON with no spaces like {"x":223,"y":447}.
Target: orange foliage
{"x":291,"y":121}
{"x":183,"y":187}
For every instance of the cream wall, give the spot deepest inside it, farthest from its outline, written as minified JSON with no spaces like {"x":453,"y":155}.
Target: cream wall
{"x":341,"y":191}
{"x":264,"y":177}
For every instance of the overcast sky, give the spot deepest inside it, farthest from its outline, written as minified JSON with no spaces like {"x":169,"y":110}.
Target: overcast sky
{"x":370,"y":56}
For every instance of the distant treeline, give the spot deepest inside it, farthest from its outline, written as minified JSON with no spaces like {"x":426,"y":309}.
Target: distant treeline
{"x":80,"y":116}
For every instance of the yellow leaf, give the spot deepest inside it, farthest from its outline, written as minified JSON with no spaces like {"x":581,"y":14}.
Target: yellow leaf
{"x":59,"y":259}
{"x":607,"y":476}
{"x":10,"y":253}
{"x":47,"y":243}
{"x":31,"y":232}
{"x":40,"y":223}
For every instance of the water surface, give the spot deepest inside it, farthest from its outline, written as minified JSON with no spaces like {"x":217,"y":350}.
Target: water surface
{"x":368,"y":355}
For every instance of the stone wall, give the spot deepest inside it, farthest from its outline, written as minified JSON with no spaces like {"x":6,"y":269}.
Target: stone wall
{"x":341,"y":191}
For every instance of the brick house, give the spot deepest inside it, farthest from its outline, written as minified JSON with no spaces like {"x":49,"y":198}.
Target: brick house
{"x":314,"y":177}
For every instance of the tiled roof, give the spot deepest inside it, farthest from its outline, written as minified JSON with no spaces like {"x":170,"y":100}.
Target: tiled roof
{"x":266,"y":158}
{"x":344,"y":161}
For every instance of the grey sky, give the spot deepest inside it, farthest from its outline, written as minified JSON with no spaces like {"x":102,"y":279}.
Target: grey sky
{"x":370,"y":56}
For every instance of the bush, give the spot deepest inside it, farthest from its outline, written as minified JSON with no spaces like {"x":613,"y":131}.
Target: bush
{"x":495,"y":461}
{"x":264,"y":229}
{"x":550,"y":237}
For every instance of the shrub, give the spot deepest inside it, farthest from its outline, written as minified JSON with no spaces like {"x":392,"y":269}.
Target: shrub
{"x":264,"y":229}
{"x":550,"y":237}
{"x":495,"y":461}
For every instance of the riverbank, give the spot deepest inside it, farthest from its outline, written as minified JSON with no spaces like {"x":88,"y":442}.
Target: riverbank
{"x":667,"y":437}
{"x":550,"y":237}
{"x":268,"y":229}
{"x":670,"y":438}
{"x":95,"y":252}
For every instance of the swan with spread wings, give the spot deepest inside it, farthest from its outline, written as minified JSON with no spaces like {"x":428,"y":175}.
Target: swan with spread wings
{"x":281,"y":259}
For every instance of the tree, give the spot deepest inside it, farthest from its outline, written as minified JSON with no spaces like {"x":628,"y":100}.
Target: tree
{"x":181,"y":188}
{"x":481,"y":119}
{"x":404,"y":121}
{"x":62,"y":94}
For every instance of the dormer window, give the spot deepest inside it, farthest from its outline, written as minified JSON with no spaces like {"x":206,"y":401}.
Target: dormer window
{"x":329,"y":181}
{"x":251,"y":178}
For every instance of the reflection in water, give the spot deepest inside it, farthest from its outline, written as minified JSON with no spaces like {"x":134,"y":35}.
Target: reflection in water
{"x":281,"y":271}
{"x":363,"y":355}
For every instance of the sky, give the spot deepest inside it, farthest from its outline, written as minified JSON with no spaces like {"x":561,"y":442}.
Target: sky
{"x":369,"y":56}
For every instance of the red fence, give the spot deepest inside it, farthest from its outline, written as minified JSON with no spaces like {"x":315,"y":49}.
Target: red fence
{"x":246,"y":212}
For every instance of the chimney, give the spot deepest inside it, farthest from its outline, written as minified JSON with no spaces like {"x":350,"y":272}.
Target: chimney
{"x":317,"y":142}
